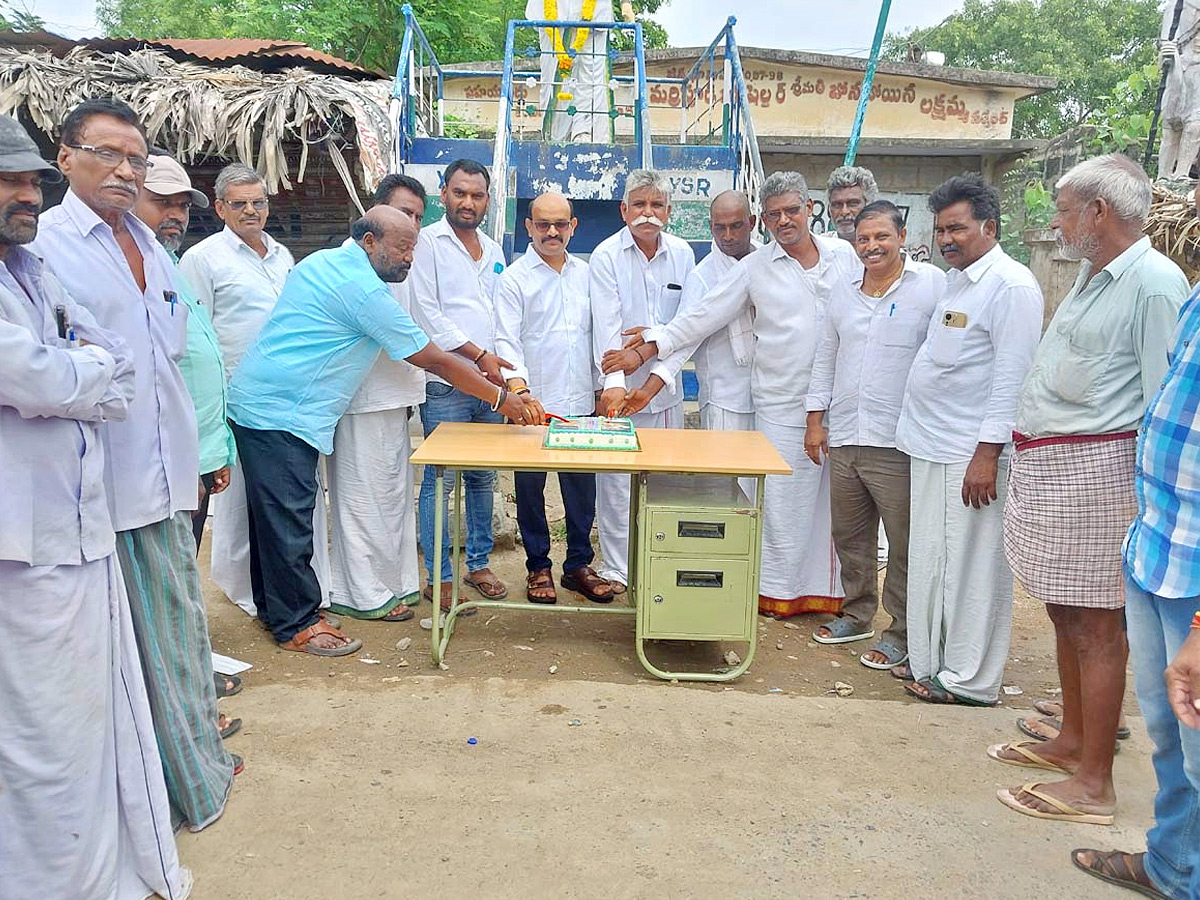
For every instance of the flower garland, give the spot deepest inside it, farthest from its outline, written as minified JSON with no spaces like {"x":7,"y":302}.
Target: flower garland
{"x":566,"y":60}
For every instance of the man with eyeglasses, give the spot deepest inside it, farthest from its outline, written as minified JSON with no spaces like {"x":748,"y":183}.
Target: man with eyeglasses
{"x":83,"y":809}
{"x":850,"y":189}
{"x":111,"y":264}
{"x":786,"y":286}
{"x":238,"y":274}
{"x":545,"y":328}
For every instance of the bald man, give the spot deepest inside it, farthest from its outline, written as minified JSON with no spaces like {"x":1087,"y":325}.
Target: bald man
{"x":544,"y":325}
{"x":322,"y":338}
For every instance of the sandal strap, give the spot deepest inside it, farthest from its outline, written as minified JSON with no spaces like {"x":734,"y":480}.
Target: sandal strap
{"x":588,"y":578}
{"x":302,"y":637}
{"x":539,"y":578}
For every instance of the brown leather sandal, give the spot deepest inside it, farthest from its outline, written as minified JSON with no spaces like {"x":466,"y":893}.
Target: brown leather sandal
{"x":584,"y":580}
{"x":540,"y":580}
{"x":1128,"y":870}
{"x":300,"y":641}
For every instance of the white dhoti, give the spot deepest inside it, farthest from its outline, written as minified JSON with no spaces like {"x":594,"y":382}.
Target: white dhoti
{"x":83,"y":805}
{"x":374,"y":556}
{"x":612,"y":503}
{"x":715,"y":418}
{"x":960,"y":589}
{"x":230,"y":562}
{"x":800,"y":569}
{"x":587,"y":85}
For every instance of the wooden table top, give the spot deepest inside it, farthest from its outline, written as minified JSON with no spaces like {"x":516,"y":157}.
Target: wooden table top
{"x":468,"y":445}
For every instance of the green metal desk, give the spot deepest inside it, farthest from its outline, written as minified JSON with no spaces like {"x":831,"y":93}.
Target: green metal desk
{"x":713,"y":456}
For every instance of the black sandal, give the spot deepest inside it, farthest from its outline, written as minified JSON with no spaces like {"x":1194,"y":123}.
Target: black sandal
{"x":1129,"y":872}
{"x":220,"y":682}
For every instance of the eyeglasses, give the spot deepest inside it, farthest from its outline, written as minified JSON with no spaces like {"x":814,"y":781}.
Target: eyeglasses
{"x":114,"y":158}
{"x":544,"y":227}
{"x":792,"y":212}
{"x":239,"y":205}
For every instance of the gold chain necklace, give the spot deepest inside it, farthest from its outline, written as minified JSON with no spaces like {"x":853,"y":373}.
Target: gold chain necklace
{"x":879,"y":292}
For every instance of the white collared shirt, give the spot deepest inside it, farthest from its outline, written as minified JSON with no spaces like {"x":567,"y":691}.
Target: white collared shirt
{"x":723,"y":358}
{"x":454,"y":293}
{"x":391,"y":383}
{"x":152,"y":458}
{"x":788,"y":303}
{"x":545,"y":330}
{"x":238,"y":287}
{"x":963,"y":384}
{"x":629,"y":290}
{"x":54,"y":507}
{"x":863,"y":359}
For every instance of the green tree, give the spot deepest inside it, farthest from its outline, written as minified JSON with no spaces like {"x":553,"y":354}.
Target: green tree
{"x":18,"y":17}
{"x":1088,"y":45}
{"x":364,"y":31}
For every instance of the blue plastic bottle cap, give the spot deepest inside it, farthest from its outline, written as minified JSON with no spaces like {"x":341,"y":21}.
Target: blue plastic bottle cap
{"x":472,"y":741}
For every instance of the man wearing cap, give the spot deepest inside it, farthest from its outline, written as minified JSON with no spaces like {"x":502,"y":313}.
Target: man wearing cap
{"x":83,"y":805}
{"x":111,"y":264}
{"x":165,"y":204}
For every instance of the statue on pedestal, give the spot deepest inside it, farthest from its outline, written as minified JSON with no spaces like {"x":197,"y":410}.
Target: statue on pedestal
{"x":1180,"y":59}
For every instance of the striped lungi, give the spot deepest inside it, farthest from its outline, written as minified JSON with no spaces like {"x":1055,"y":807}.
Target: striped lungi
{"x":158,"y":563}
{"x":1069,"y":506}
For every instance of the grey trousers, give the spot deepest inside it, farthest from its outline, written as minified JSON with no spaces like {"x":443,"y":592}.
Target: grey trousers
{"x":867,"y":484}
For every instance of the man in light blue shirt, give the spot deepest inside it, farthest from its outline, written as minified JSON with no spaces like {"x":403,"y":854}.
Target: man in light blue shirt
{"x":323,"y":337}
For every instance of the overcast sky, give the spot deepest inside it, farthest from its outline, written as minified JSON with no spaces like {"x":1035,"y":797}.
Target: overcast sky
{"x":844,"y":26}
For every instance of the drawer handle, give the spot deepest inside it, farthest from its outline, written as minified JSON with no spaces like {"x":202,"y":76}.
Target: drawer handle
{"x":713,"y":530}
{"x":693,"y":578}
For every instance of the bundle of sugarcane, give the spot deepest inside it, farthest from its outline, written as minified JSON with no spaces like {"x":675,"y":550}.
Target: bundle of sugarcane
{"x":1174,"y":229}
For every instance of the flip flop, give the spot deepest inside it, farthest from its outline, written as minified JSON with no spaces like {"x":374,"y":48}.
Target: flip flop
{"x":399,"y":613}
{"x":902,"y":672}
{"x":239,"y":764}
{"x":500,"y":595}
{"x":234,"y":726}
{"x":935,"y":693}
{"x":301,"y":641}
{"x":219,"y":682}
{"x":1130,"y":874}
{"x":444,"y":599}
{"x":893,"y":656}
{"x":1031,"y":760}
{"x":1066,"y":812}
{"x":1048,"y":707}
{"x":843,"y":630}
{"x":1055,"y":722}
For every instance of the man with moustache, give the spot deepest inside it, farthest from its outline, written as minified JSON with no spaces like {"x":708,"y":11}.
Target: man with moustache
{"x":83,"y":809}
{"x":376,"y":572}
{"x":545,"y":328}
{"x":454,"y":277}
{"x":111,"y":264}
{"x":850,"y":189}
{"x":320,"y":342}
{"x":786,"y":286}
{"x":956,"y":421}
{"x":1071,"y":493}
{"x":873,"y":328}
{"x":237,"y":275}
{"x":636,"y":276}
{"x":165,"y":205}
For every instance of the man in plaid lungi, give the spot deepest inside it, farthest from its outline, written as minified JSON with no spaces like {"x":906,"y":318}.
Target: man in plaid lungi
{"x":1071,"y":485}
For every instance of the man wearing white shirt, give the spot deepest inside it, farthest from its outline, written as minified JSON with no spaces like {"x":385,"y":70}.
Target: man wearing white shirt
{"x":636,"y":277}
{"x":237,"y":275}
{"x":545,"y":328}
{"x":786,"y":286}
{"x":872,"y":331}
{"x":112,"y":265}
{"x":454,"y":274}
{"x":83,"y":810}
{"x":960,"y":403}
{"x":376,"y":573}
{"x":723,"y":358}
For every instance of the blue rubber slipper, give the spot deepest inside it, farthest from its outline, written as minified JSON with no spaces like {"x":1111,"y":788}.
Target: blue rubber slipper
{"x":894,"y":656}
{"x":843,"y":630}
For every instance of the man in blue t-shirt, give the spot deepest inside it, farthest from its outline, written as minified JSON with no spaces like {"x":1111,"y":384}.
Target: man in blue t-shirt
{"x":332,"y":319}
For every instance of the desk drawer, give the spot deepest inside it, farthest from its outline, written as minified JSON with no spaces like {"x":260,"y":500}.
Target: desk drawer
{"x":698,"y":599}
{"x":699,"y":532}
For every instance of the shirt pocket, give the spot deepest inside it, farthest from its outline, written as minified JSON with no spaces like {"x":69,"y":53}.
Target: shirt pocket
{"x":945,"y":344}
{"x":1076,"y":375}
{"x":904,"y":329}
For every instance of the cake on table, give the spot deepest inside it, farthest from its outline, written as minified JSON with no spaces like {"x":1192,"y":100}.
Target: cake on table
{"x":591,"y":433}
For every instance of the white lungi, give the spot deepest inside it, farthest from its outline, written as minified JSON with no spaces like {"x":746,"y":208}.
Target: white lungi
{"x":798,"y":559}
{"x":612,"y":502}
{"x":715,"y":418}
{"x":960,"y":589}
{"x":374,"y":557}
{"x":230,"y":562}
{"x":83,"y":806}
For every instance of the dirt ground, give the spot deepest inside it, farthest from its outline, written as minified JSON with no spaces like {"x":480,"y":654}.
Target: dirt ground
{"x":601,"y":781}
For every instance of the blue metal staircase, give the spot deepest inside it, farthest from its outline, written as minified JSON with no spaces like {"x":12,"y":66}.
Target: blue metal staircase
{"x":704,"y":141}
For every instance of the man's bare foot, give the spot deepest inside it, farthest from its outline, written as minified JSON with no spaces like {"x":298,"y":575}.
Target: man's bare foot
{"x":486,"y":582}
{"x":1071,"y":792}
{"x":1051,"y":751}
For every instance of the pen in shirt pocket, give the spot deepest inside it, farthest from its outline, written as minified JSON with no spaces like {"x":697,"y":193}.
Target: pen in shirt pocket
{"x":171,"y":297}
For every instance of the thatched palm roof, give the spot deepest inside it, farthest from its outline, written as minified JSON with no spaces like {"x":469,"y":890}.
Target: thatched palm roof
{"x":196,"y":111}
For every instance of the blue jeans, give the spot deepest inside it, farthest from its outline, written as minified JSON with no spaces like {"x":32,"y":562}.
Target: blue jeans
{"x":446,"y":404}
{"x":1158,"y":627}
